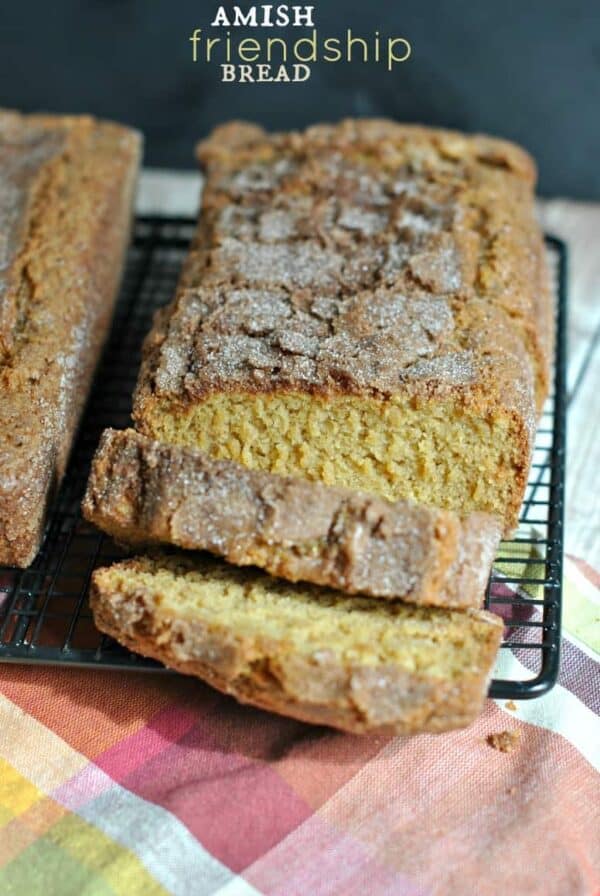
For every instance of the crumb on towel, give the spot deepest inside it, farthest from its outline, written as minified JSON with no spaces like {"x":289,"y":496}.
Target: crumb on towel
{"x":505,"y":741}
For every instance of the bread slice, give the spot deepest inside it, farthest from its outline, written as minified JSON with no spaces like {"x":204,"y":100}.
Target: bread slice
{"x":143,"y":492}
{"x":358,"y":664}
{"x":366,"y":305}
{"x":66,"y":192}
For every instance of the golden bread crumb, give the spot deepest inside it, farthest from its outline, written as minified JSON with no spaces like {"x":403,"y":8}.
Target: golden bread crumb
{"x":504,"y":741}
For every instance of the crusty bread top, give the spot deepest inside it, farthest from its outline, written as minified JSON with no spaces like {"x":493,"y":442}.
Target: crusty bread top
{"x":143,"y":492}
{"x":366,"y":257}
{"x":241,"y":140}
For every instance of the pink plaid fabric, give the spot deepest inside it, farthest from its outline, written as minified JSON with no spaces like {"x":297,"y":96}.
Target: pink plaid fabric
{"x":142,"y":783}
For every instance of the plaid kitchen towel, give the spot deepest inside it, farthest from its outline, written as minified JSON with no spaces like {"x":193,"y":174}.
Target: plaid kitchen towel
{"x":144,"y":784}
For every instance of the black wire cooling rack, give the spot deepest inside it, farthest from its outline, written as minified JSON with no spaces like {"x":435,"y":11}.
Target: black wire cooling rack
{"x":44,"y":615}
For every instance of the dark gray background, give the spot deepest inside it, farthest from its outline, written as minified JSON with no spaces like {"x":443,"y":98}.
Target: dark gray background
{"x":529,"y":71}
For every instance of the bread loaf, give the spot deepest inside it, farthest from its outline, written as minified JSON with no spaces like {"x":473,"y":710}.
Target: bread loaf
{"x":66,"y":188}
{"x":365,"y":305}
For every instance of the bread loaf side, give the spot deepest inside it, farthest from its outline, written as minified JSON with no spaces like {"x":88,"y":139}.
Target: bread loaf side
{"x":66,"y":189}
{"x":143,"y":492}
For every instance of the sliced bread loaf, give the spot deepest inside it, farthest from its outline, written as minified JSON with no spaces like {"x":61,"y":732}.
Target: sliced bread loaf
{"x":365,"y":305}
